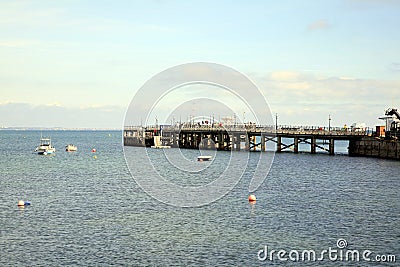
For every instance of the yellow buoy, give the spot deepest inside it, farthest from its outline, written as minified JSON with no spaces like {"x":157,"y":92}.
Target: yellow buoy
{"x":21,"y":203}
{"x":252,"y":198}
{"x":95,"y":157}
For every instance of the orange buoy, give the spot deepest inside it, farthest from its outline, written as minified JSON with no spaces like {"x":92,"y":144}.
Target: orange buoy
{"x":21,"y":203}
{"x":94,"y":150}
{"x":252,"y":198}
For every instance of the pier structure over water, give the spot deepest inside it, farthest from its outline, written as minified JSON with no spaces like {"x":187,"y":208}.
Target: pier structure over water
{"x":232,"y":137}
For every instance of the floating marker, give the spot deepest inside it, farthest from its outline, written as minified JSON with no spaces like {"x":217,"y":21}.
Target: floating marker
{"x":94,"y":150}
{"x":95,"y":157}
{"x":22,"y":203}
{"x":252,"y":198}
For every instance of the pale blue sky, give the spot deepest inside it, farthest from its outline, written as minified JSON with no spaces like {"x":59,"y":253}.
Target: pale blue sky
{"x":79,"y":63}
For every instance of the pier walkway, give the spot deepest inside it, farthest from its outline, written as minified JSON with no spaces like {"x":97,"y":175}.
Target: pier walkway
{"x":232,"y":137}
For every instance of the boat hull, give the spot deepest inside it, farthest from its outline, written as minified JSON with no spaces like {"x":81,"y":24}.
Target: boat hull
{"x":70,"y":148}
{"x":204,"y":158}
{"x":45,"y":152}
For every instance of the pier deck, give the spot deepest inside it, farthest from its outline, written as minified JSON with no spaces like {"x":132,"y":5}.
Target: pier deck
{"x":231,"y":137}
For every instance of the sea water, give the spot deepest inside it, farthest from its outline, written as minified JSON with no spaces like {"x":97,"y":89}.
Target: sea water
{"x":87,"y":210}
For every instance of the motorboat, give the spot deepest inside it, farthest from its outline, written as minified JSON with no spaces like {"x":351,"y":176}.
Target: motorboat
{"x":204,"y":158}
{"x":45,"y":147}
{"x":71,"y":148}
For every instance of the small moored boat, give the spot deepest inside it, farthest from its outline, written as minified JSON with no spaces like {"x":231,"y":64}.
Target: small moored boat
{"x":204,"y":158}
{"x":70,"y":148}
{"x":45,"y":147}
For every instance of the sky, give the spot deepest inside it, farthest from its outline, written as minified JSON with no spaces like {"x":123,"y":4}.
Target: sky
{"x":78,"y":64}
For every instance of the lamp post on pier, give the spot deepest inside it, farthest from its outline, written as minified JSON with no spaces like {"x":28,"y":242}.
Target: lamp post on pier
{"x":329,"y":124}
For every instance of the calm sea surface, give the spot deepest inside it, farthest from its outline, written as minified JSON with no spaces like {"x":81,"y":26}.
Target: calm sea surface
{"x":89,"y":211}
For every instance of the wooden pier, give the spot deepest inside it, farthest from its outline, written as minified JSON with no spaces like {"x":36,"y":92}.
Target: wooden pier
{"x":232,"y":137}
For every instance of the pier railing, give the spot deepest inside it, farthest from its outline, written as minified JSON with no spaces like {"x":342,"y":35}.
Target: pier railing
{"x":253,"y":128}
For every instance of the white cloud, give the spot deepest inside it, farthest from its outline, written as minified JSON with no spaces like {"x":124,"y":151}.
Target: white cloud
{"x":15,"y":43}
{"x":395,"y":66}
{"x":302,"y":98}
{"x":56,"y":115}
{"x":54,"y":104}
{"x":374,"y":3}
{"x":319,"y":25}
{"x":26,"y":13}
{"x":284,"y":75}
{"x":344,"y":78}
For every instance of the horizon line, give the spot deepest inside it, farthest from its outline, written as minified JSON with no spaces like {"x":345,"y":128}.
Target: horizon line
{"x":24,"y":128}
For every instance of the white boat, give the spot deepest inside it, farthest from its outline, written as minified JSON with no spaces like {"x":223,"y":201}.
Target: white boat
{"x":158,"y":143}
{"x":45,"y":147}
{"x":204,"y":158}
{"x":71,"y":148}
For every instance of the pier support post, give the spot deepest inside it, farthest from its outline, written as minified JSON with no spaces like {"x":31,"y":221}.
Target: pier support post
{"x":201,"y":138}
{"x":228,"y":141}
{"x":247,"y":145}
{"x":296,"y":145}
{"x":230,"y":144}
{"x":262,"y":142}
{"x":198,"y":140}
{"x":177,"y":139}
{"x":237,"y":142}
{"x":173,"y":138}
{"x":224,"y":141}
{"x":279,"y":144}
{"x":313,"y":145}
{"x":331,"y":146}
{"x":221,"y":141}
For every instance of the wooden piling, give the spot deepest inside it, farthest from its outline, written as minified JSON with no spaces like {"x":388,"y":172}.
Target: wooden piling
{"x":279,"y":144}
{"x":296,"y":145}
{"x":313,"y":145}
